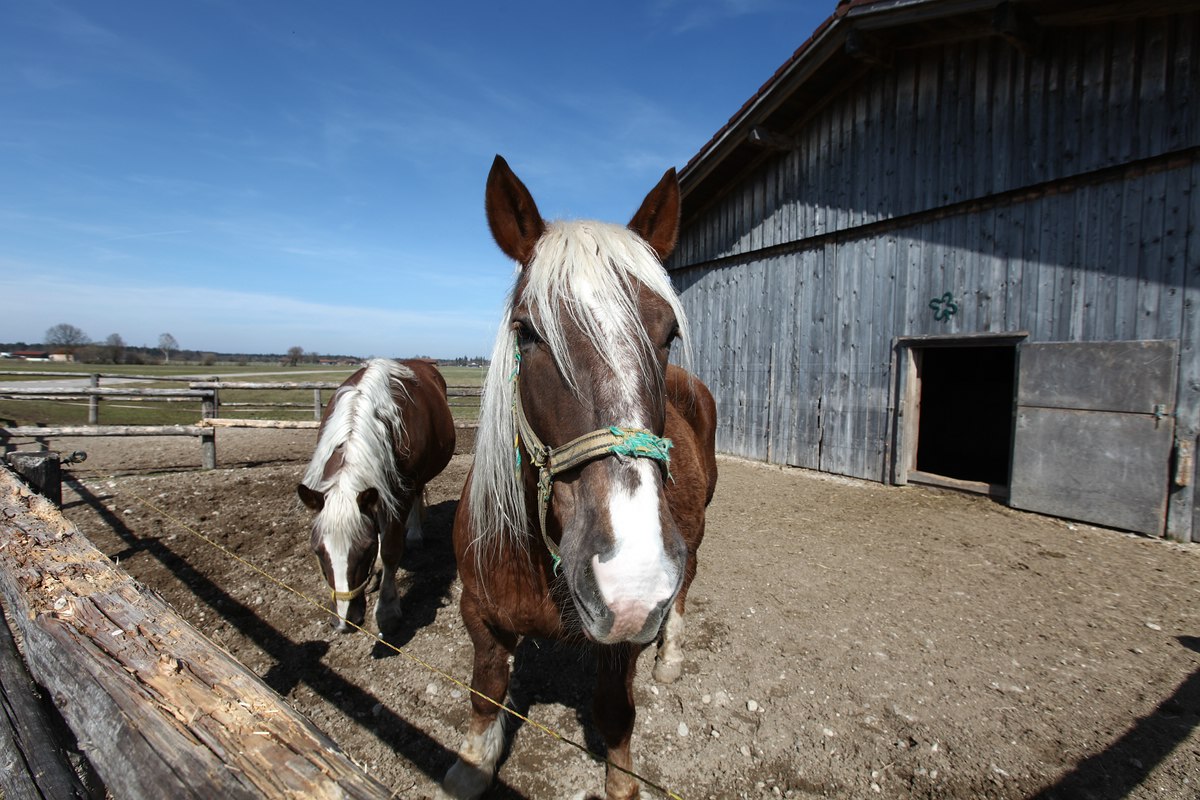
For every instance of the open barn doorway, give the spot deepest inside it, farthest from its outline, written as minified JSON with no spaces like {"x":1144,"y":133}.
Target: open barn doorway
{"x":957,"y":400}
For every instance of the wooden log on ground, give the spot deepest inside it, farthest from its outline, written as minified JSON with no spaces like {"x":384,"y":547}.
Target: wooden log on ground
{"x":36,"y":766}
{"x":159,"y":710}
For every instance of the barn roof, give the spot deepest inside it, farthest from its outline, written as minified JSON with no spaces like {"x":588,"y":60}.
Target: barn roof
{"x":860,"y":36}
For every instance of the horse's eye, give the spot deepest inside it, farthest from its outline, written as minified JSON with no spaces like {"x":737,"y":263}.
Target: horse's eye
{"x":671,"y":337}
{"x":526,"y":334}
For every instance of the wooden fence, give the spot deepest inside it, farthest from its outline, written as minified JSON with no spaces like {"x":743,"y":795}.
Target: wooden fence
{"x":203,"y":389}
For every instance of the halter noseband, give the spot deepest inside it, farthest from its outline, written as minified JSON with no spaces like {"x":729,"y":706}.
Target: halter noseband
{"x":349,"y":594}
{"x":551,"y":462}
{"x":352,"y":593}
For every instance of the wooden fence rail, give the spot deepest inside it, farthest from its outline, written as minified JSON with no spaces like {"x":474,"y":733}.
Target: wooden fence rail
{"x":156,"y":707}
{"x":99,"y":375}
{"x":207,"y":391}
{"x":51,"y":391}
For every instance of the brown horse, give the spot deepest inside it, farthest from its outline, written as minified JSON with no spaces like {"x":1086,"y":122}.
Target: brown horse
{"x":386,"y":432}
{"x":594,"y":463}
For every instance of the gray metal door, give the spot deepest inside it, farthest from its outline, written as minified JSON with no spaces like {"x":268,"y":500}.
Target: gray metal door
{"x":1093,"y":433}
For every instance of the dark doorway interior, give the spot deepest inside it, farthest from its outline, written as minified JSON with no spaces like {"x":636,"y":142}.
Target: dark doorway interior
{"x":966,"y":416}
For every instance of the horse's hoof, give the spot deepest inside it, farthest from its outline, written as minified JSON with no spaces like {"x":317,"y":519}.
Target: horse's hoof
{"x":465,"y":782}
{"x":388,"y":619}
{"x":667,"y":671}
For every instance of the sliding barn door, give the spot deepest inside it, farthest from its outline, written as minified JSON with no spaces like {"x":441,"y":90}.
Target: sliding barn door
{"x":1093,"y":433}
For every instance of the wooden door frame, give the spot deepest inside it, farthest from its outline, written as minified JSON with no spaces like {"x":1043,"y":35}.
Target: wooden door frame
{"x":906,"y":413}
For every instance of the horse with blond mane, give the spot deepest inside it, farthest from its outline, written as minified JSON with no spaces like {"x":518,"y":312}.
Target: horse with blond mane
{"x":583,"y":512}
{"x":386,"y":432}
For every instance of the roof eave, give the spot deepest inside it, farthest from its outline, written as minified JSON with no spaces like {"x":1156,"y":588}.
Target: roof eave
{"x":826,"y":44}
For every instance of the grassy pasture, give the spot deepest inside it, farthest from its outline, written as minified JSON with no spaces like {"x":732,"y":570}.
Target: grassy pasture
{"x":128,"y":411}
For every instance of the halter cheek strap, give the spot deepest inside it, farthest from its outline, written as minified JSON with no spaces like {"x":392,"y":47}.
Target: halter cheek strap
{"x":551,"y":462}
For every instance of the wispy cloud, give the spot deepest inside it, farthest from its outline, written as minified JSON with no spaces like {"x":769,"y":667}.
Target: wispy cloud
{"x":228,"y":320}
{"x":147,"y":235}
{"x":682,"y":16}
{"x":101,"y":48}
{"x":222,"y":163}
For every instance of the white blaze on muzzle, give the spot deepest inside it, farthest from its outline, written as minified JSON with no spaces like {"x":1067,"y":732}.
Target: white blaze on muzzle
{"x":637,"y":577}
{"x":336,"y":525}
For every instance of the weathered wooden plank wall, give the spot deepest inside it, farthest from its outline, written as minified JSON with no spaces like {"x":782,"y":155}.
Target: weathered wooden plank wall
{"x":1057,"y":194}
{"x":964,"y":121}
{"x":832,"y":310}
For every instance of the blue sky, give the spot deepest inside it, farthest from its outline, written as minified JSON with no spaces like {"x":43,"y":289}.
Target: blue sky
{"x":252,"y":176}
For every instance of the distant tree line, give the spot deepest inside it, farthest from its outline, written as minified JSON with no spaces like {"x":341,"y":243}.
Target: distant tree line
{"x":67,"y":338}
{"x":465,"y":361}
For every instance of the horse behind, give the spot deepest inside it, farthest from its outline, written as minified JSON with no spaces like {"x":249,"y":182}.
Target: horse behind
{"x":386,"y":432}
{"x":587,"y":528}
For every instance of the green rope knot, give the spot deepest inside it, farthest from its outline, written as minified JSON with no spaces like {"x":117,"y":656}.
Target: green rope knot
{"x":641,"y":444}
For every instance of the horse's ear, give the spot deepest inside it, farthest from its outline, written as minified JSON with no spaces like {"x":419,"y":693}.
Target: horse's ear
{"x":657,"y":221}
{"x":512,"y":215}
{"x":313,"y":499}
{"x":367,"y":500}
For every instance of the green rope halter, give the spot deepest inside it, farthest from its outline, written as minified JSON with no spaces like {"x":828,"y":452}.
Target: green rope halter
{"x":551,"y":462}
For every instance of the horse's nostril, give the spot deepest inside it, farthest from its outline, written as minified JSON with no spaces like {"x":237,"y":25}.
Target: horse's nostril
{"x":585,"y":610}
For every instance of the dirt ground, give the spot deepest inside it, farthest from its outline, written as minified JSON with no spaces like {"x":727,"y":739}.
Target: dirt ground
{"x":845,"y":639}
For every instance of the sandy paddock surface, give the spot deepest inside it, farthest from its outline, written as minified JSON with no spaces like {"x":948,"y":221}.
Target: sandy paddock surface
{"x":846,"y":639}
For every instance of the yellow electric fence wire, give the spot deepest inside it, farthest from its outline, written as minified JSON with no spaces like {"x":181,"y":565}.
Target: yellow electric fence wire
{"x":414,"y":659}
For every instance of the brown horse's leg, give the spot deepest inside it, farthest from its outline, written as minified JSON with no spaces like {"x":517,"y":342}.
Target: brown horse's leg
{"x":484,"y":743}
{"x":414,"y":533}
{"x":391,"y":550}
{"x":668,"y":662}
{"x":614,"y":713}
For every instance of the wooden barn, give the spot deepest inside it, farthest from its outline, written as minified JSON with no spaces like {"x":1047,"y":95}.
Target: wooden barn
{"x":958,"y":242}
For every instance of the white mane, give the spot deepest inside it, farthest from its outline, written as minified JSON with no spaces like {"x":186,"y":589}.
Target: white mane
{"x":610,"y":261}
{"x":367,"y":425}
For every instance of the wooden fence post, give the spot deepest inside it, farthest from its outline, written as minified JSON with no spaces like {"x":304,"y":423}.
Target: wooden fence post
{"x":94,"y":402}
{"x":208,"y":449}
{"x":41,"y":470}
{"x":317,"y":404}
{"x":216,"y":397}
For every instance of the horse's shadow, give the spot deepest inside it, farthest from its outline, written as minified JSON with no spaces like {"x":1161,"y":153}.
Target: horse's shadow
{"x":553,"y":673}
{"x":426,"y":575}
{"x":544,"y":672}
{"x":1128,"y":760}
{"x":295,"y":662}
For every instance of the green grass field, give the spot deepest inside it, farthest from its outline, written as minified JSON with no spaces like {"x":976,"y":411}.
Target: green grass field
{"x":128,"y":411}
